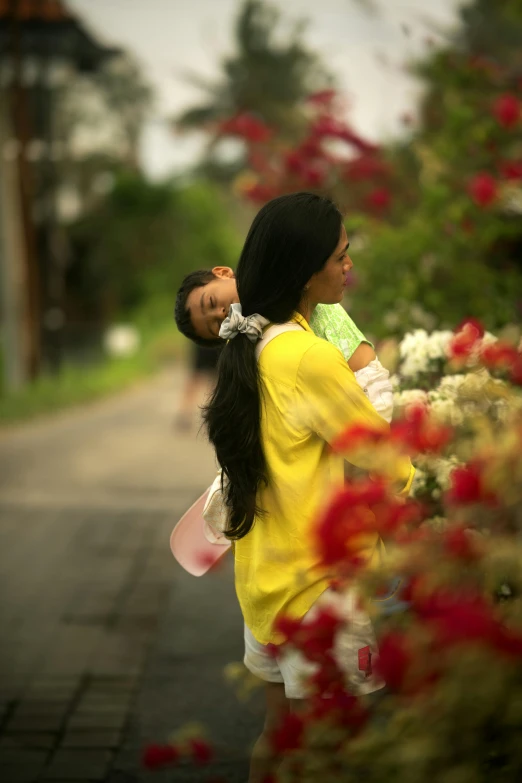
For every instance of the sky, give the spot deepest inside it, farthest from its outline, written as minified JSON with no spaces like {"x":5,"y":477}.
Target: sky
{"x":366,"y":53}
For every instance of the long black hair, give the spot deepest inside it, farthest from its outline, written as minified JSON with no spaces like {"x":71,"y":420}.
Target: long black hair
{"x":290,"y":239}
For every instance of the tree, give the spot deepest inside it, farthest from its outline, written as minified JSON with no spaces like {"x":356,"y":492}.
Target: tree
{"x":265,"y":78}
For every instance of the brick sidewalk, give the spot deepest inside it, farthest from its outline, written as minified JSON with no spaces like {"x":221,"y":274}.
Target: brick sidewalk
{"x":100,"y":628}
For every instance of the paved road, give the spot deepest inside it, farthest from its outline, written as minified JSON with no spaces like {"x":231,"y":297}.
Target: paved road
{"x":105,"y":642}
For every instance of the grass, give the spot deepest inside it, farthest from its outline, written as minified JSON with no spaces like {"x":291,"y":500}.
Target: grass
{"x":77,"y":385}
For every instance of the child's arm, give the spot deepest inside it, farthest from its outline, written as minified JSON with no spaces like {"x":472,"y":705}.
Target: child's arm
{"x":361,"y":357}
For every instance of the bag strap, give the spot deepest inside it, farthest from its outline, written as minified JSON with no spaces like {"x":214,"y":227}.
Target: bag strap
{"x":275,"y":331}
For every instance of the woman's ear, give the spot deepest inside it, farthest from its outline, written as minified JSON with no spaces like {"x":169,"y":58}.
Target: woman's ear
{"x":223,"y":272}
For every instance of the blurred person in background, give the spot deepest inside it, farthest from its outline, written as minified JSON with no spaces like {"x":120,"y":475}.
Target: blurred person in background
{"x":198,"y":385}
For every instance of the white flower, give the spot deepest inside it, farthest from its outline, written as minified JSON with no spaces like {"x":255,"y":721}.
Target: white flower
{"x":445,"y":411}
{"x":410,"y":397}
{"x":437,"y":344}
{"x":418,"y":485}
{"x":443,"y":468}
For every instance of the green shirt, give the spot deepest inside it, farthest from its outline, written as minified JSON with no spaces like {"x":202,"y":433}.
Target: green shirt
{"x":332,"y":323}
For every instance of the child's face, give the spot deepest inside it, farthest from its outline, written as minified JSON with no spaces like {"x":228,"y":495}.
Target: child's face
{"x":209,"y":304}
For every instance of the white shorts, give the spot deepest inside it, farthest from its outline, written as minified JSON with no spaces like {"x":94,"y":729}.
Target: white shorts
{"x":355,"y":645}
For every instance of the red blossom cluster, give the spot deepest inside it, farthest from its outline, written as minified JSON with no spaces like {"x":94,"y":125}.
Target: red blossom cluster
{"x":499,"y":356}
{"x":310,"y":164}
{"x":360,"y":508}
{"x":246,"y":126}
{"x":195,"y":749}
{"x":483,"y":187}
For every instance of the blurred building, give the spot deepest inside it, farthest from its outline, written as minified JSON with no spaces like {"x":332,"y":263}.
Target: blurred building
{"x":42,"y":48}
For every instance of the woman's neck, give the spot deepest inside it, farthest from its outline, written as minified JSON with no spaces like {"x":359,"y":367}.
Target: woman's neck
{"x":306,"y":309}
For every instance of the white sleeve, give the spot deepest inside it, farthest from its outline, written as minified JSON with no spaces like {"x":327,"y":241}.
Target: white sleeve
{"x":375,"y":382}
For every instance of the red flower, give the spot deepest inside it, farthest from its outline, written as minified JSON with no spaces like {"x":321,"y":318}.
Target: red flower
{"x":313,"y":175}
{"x":155,"y":756}
{"x":329,"y":126}
{"x":466,"y":337}
{"x":327,"y":680}
{"x":344,"y":708}
{"x":322,"y":98}
{"x":467,"y":619}
{"x":314,"y":638}
{"x":287,"y":627}
{"x":483,"y":189}
{"x":396,"y":515}
{"x":348,"y":515}
{"x":260,"y":193}
{"x":516,"y":370}
{"x":379,"y":199}
{"x":365,"y":167}
{"x":467,"y":486}
{"x":419,"y":432}
{"x":246,"y":126}
{"x":507,"y":110}
{"x":394,"y":659}
{"x":289,"y":735}
{"x":511,"y":169}
{"x":458,"y":543}
{"x":356,"y":436}
{"x":201,"y":751}
{"x":473,"y":324}
{"x":498,"y":355}
{"x":294,"y":162}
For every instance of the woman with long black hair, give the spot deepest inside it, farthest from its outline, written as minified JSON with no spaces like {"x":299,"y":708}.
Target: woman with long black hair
{"x":271,"y":422}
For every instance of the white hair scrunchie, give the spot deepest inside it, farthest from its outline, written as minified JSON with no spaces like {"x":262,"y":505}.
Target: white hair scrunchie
{"x":236,"y":323}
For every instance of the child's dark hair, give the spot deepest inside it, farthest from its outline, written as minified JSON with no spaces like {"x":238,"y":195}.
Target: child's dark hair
{"x":291,"y":238}
{"x":182,"y":313}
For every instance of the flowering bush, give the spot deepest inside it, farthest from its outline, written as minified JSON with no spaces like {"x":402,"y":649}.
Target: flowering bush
{"x":451,"y":657}
{"x":452,"y":661}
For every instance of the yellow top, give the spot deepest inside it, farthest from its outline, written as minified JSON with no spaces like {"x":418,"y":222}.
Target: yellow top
{"x":309,"y":397}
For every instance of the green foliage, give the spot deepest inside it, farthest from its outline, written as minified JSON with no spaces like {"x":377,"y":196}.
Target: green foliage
{"x":432,"y":273}
{"x":452,"y":254}
{"x":133,"y":251}
{"x":77,"y":385}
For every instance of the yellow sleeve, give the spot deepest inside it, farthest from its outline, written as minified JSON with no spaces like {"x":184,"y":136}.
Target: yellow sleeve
{"x":332,"y":401}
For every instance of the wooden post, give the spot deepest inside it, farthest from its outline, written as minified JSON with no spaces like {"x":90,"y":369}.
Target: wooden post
{"x":12,"y":282}
{"x":22,"y":132}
